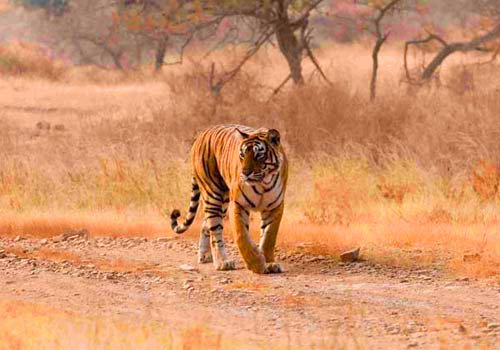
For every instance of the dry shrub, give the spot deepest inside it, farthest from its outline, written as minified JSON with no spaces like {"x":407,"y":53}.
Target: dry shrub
{"x":439,"y":215}
{"x":340,"y":187}
{"x":396,"y":192}
{"x":27,"y":59}
{"x":485,"y":180}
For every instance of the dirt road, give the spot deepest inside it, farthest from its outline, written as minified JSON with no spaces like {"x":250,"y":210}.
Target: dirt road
{"x":318,"y":303}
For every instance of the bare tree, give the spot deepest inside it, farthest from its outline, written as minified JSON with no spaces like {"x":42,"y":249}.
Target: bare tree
{"x":285,"y":20}
{"x":373,"y":15}
{"x":447,"y":49}
{"x":381,"y":36}
{"x":478,"y":42}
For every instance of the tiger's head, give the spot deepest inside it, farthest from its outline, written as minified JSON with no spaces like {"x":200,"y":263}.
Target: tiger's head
{"x":259,"y":155}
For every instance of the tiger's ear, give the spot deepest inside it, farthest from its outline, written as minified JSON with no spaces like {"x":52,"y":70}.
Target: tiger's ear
{"x":244,"y":135}
{"x":273,"y":136}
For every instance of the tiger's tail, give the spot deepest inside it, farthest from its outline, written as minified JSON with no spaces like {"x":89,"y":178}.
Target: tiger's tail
{"x":193,"y":207}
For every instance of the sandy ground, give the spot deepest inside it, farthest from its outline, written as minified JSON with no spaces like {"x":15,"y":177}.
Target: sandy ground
{"x":317,"y":303}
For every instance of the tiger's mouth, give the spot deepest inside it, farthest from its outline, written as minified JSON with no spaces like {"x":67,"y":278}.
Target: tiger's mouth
{"x":252,"y":177}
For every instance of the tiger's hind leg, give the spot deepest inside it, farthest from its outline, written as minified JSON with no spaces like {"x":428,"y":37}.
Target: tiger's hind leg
{"x":215,"y":211}
{"x":204,"y":252}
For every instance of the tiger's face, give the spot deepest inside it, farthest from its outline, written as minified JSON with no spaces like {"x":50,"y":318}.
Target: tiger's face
{"x":258,"y":155}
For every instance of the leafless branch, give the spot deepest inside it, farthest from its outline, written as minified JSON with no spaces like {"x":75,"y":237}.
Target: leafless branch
{"x":447,"y":50}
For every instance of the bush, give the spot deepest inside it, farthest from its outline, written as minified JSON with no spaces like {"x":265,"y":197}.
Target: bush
{"x":24,"y":59}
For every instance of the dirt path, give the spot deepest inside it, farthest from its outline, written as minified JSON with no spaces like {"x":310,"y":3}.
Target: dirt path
{"x":317,"y":302}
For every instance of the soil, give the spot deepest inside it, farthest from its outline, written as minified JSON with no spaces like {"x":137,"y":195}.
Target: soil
{"x":318,"y":301}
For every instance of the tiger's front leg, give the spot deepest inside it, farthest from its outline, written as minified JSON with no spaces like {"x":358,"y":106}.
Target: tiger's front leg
{"x":253,"y":257}
{"x":269,"y":231}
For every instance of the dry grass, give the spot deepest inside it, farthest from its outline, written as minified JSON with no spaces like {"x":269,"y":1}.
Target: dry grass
{"x":406,"y":172}
{"x":34,"y":326}
{"x":29,"y":326}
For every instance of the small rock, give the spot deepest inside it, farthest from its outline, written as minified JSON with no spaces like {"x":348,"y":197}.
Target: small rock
{"x":187,"y":267}
{"x":2,"y":254}
{"x":59,"y":127}
{"x":18,"y":238}
{"x":472,"y":257}
{"x":42,"y":125}
{"x":413,"y":344}
{"x":494,"y":325}
{"x":462,"y":329}
{"x":44,"y":241}
{"x":162,"y":240}
{"x":350,"y":255}
{"x":74,"y":234}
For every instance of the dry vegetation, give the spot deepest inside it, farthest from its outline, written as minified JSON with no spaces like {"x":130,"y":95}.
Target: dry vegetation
{"x":415,"y":171}
{"x":49,"y":329}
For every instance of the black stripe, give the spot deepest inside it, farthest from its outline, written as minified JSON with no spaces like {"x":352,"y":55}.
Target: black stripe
{"x":246,"y":198}
{"x":214,"y":195}
{"x":215,"y":227}
{"x":273,"y":185}
{"x":242,"y":208}
{"x":207,"y":203}
{"x":206,"y":167}
{"x":213,"y":216}
{"x":277,"y":198}
{"x":256,"y":191}
{"x":195,"y":197}
{"x":264,"y":225}
{"x":213,"y":211}
{"x":193,"y":209}
{"x":189,"y":221}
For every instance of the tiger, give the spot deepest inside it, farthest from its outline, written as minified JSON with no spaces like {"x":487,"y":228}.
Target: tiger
{"x":247,"y":168}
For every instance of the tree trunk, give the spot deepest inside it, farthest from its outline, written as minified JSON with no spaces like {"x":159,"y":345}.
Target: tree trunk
{"x":376,"y":49}
{"x":160,"y":53}
{"x":288,"y":44}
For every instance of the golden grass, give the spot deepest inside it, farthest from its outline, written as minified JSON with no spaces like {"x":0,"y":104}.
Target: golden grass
{"x":31,"y":326}
{"x":413,"y":170}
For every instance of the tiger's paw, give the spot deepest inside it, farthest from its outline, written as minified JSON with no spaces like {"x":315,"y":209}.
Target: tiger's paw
{"x":205,"y":258}
{"x":273,"y":268}
{"x":226,"y":265}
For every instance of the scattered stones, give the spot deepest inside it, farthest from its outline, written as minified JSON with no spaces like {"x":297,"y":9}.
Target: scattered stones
{"x":350,"y":255}
{"x":44,"y":241}
{"x":43,"y":125}
{"x":18,"y":238}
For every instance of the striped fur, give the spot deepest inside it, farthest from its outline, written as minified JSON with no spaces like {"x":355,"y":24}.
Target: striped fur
{"x":245,"y":167}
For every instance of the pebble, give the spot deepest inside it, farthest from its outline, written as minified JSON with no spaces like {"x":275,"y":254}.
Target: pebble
{"x":187,"y":267}
{"x":492,"y":326}
{"x":350,"y":255}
